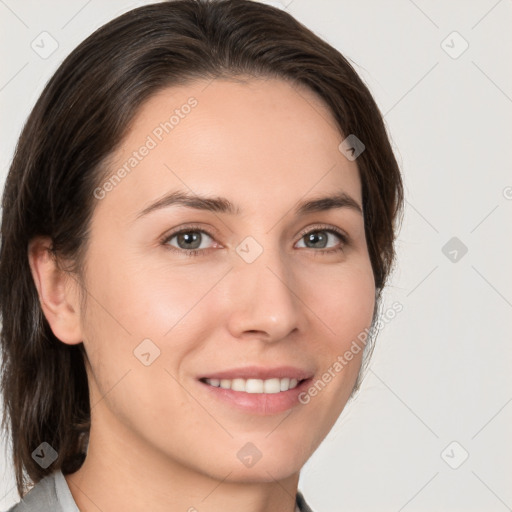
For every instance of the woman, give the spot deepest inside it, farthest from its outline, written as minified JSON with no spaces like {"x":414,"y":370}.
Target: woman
{"x":197,"y":227}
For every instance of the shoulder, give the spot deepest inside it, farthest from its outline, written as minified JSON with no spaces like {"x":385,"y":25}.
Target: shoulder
{"x":41,"y":498}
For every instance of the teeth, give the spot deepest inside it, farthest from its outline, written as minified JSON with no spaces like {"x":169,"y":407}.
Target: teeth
{"x":255,"y":385}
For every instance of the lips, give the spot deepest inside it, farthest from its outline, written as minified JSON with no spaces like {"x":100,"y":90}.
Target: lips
{"x":260,"y":372}
{"x":260,"y":404}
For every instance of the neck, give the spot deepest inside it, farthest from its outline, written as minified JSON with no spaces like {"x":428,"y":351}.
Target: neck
{"x":144,"y":478}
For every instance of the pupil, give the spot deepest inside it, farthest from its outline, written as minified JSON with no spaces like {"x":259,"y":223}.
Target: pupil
{"x":190,"y":237}
{"x":316,"y":236}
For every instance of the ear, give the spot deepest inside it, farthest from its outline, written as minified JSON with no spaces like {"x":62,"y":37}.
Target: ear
{"x":57,"y":290}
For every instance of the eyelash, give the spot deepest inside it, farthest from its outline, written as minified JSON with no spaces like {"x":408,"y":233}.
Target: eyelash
{"x":201,"y":252}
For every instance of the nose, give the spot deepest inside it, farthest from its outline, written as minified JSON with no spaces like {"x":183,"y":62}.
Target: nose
{"x":265,"y":303}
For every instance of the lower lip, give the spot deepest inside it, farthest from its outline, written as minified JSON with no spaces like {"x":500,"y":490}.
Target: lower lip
{"x":259,"y":403}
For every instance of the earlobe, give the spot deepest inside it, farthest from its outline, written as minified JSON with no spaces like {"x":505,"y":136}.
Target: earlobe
{"x":56,"y":290}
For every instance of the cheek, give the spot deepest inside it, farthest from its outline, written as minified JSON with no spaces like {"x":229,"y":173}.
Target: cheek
{"x":132,"y":304}
{"x":344,"y":301}
{"x":356,"y":306}
{"x":149,"y":297}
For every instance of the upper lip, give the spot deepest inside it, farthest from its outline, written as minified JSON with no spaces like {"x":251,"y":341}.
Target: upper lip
{"x":260,"y":372}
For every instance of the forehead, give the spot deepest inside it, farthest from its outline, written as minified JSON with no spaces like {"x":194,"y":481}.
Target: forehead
{"x":257,"y":141}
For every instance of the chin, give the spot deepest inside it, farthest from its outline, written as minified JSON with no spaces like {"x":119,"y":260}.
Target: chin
{"x":251,"y":464}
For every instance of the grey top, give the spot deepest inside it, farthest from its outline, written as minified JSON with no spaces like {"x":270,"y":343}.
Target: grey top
{"x":52,"y":494}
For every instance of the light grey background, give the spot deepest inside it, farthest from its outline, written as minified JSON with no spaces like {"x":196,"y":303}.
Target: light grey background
{"x":441,"y":372}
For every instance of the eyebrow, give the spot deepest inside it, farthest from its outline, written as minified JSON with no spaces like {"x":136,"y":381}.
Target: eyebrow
{"x":222,"y":205}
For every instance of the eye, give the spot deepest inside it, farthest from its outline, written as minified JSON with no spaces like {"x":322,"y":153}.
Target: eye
{"x":188,"y":240}
{"x":319,"y":237}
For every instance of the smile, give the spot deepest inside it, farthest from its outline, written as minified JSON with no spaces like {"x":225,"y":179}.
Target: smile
{"x":268,"y":386}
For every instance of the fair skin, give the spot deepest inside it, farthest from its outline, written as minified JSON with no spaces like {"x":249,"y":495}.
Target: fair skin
{"x":158,"y":439}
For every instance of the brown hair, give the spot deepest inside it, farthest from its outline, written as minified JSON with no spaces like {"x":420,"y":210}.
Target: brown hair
{"x":78,"y":121}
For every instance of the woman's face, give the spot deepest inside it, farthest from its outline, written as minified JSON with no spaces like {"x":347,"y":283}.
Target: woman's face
{"x":258,"y":285}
